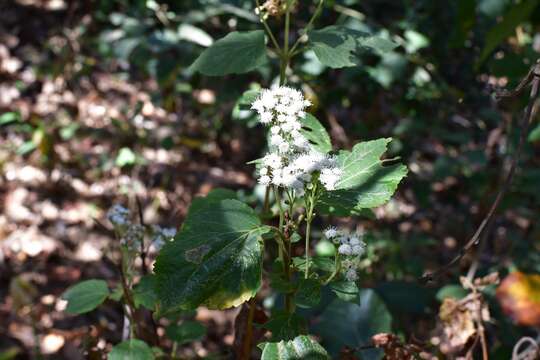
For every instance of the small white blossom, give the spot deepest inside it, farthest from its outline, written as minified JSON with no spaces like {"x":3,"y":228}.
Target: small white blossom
{"x":275,"y":130}
{"x":283,"y":147}
{"x":273,"y":161}
{"x":265,"y":180}
{"x":266,"y":117}
{"x":276,"y":140}
{"x":351,"y":275}
{"x":358,"y":250}
{"x":118,"y":215}
{"x":168,"y":232}
{"x":345,"y":249}
{"x":133,"y":237}
{"x":263,"y":171}
{"x":331,"y":232}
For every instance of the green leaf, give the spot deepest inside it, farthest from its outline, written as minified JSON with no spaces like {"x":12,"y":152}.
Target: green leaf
{"x":337,"y":46}
{"x":316,"y":134}
{"x":242,"y":109}
{"x":345,"y":290}
{"x":308,"y":293}
{"x":284,"y":326}
{"x":351,"y":324}
{"x":236,"y":53}
{"x":515,"y":16}
{"x":534,"y":135}
{"x":85,"y":296}
{"x":144,"y":293}
{"x":132,"y":349}
{"x":186,"y":332}
{"x":302,"y":347}
{"x":215,"y":260}
{"x":451,"y":291}
{"x":125,"y":157}
{"x":9,"y":117}
{"x":365,"y":182}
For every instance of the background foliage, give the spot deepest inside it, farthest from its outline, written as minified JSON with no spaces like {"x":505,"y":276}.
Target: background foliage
{"x":99,"y":101}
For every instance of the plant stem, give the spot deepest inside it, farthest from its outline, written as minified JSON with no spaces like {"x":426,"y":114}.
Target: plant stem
{"x":268,"y":30}
{"x":285,"y":55}
{"x":307,"y":27}
{"x":309,"y":219}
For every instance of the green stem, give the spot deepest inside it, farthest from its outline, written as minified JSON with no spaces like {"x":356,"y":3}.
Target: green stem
{"x":307,"y":27}
{"x":309,"y":218}
{"x":285,"y":55}
{"x":337,"y":267}
{"x":268,"y":30}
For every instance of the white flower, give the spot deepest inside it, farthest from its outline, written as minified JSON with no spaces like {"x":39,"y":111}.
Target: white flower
{"x":358,"y":250}
{"x":133,"y":237}
{"x":265,"y":180}
{"x":273,"y":161}
{"x":276,"y":140}
{"x":118,"y":215}
{"x":331,"y":232}
{"x":263,"y":171}
{"x":283,"y":147}
{"x":345,"y":249}
{"x":266,"y":117}
{"x":351,"y":275}
{"x":258,"y":106}
{"x":275,"y":130}
{"x":287,"y":126}
{"x":330,"y":177}
{"x":354,"y":240}
{"x":169,"y":232}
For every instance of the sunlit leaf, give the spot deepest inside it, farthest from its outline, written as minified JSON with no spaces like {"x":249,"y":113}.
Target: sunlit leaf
{"x":365,"y":182}
{"x":302,"y":347}
{"x":236,"y":53}
{"x":215,"y":260}
{"x":316,"y":134}
{"x":337,"y":46}
{"x":515,"y":16}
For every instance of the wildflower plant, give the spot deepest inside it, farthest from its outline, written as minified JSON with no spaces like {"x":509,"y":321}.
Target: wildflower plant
{"x":217,"y":258}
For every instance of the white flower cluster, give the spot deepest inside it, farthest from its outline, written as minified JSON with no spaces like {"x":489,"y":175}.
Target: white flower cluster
{"x":133,"y":237}
{"x":162,"y":235}
{"x":118,"y":215}
{"x":291,"y":160}
{"x":349,"y":245}
{"x":131,"y":234}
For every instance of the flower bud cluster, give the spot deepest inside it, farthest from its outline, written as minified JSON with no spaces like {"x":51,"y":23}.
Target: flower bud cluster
{"x":291,"y":161}
{"x":132,"y":234}
{"x":161,"y":235}
{"x":351,"y":247}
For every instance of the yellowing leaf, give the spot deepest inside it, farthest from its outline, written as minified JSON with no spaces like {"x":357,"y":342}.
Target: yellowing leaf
{"x":519,"y":296}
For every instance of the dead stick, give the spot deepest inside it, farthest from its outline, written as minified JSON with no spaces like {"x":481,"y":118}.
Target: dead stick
{"x":533,"y":77}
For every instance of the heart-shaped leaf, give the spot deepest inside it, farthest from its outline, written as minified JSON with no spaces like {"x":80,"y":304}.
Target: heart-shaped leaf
{"x":215,"y":260}
{"x":365,"y":182}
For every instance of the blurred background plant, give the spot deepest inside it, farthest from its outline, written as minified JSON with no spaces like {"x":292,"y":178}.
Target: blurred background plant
{"x":98,"y":104}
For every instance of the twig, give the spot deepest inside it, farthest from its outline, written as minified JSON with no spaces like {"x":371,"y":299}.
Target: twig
{"x":141,"y":221}
{"x":529,"y":353}
{"x":533,"y":77}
